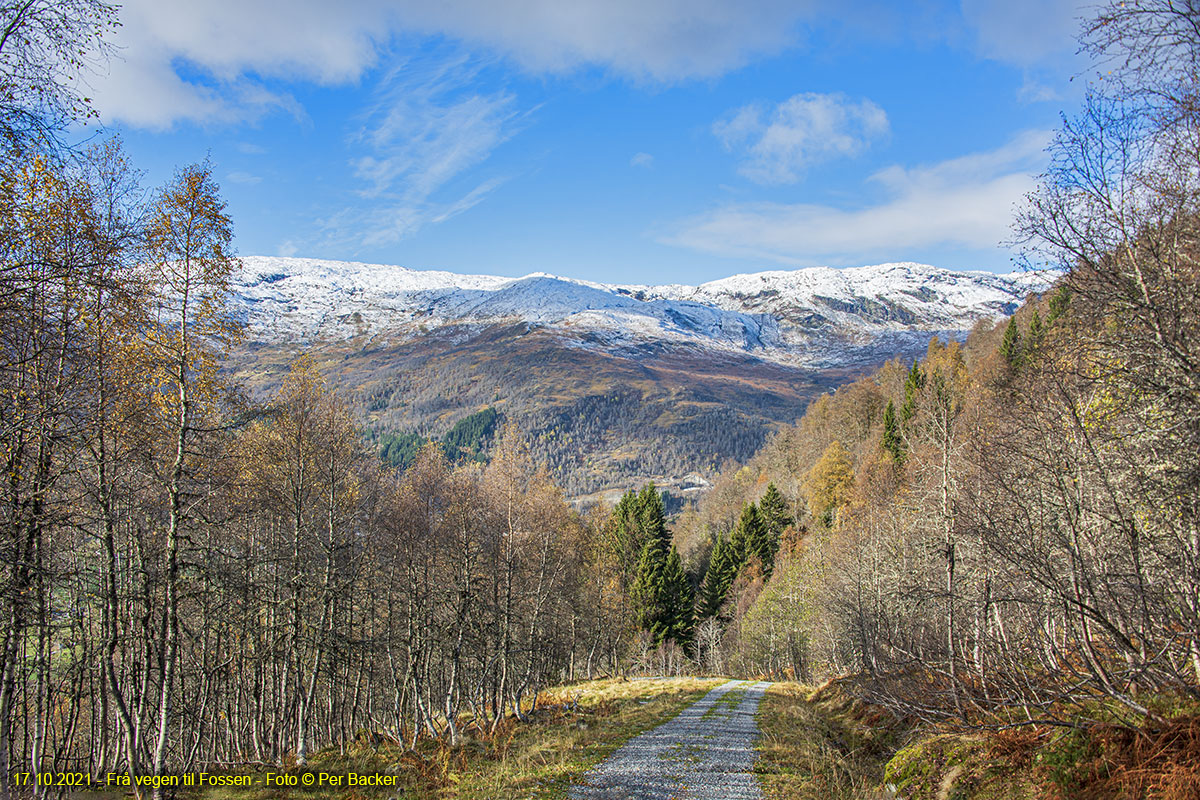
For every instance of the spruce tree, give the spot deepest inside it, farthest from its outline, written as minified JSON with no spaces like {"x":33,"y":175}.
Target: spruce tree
{"x":678,"y":602}
{"x":1059,"y":301}
{"x":1036,"y":330}
{"x":755,"y":537}
{"x":637,"y":518}
{"x":752,"y":537}
{"x":892,"y":443}
{"x":624,"y":537}
{"x":912,"y":387}
{"x":722,"y":569}
{"x":749,"y":535}
{"x":773,"y":509}
{"x":649,"y":588}
{"x":1010,"y":345}
{"x":661,"y":593}
{"x":652,"y":514}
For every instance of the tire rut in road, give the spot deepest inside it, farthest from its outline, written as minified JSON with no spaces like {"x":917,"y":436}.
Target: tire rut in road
{"x":705,"y":753}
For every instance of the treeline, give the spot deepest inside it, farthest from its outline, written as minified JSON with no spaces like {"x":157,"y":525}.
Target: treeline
{"x":194,"y":579}
{"x":1009,"y":532}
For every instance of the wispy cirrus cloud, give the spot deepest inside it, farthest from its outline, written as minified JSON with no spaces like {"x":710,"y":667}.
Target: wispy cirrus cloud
{"x":244,"y":178}
{"x":776,"y":144}
{"x":966,"y":201}
{"x":429,"y":127}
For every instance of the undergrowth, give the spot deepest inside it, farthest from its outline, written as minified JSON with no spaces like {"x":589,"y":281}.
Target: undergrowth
{"x":574,"y":728}
{"x":822,"y":744}
{"x":1089,"y":762}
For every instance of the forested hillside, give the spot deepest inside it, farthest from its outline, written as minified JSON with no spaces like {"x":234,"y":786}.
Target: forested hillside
{"x":1008,"y":531}
{"x":466,"y":440}
{"x":598,"y":419}
{"x":1000,"y":533}
{"x":193,"y":578}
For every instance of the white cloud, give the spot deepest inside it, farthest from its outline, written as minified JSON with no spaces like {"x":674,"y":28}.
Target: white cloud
{"x":777,"y":144}
{"x":643,"y":160}
{"x":1033,"y":92}
{"x":207,"y":61}
{"x":965,"y":201}
{"x":202,"y":61}
{"x":244,"y":178}
{"x":664,"y":40}
{"x":427,"y":128}
{"x":1025,"y":32}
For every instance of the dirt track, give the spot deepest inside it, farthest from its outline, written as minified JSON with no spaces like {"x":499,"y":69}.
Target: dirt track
{"x":705,"y":753}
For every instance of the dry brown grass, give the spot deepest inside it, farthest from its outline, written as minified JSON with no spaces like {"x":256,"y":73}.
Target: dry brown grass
{"x":1095,"y":762}
{"x":821,"y":744}
{"x":1125,"y":764}
{"x":574,"y":728}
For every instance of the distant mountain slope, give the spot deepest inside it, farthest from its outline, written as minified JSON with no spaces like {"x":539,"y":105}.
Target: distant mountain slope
{"x":613,"y":384}
{"x":882,"y":297}
{"x":778,"y":316}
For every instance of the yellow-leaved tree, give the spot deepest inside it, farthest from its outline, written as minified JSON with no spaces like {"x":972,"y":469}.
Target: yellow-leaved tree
{"x":828,"y":484}
{"x":188,"y":261}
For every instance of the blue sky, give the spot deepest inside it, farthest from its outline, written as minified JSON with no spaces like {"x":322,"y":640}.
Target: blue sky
{"x":615,"y":140}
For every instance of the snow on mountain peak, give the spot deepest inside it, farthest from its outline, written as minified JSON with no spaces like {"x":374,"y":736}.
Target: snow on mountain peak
{"x":776,"y":312}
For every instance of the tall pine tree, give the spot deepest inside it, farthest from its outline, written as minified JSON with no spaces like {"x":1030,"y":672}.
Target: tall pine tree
{"x":637,"y":518}
{"x":773,"y":508}
{"x":749,"y":537}
{"x":752,"y":537}
{"x":652,"y":514}
{"x":623,"y":536}
{"x":1036,"y":330}
{"x":1010,"y":345}
{"x":912,"y":387}
{"x":1059,"y":301}
{"x":649,"y":590}
{"x":892,"y":443}
{"x":661,"y":593}
{"x":722,"y":569}
{"x":680,"y":601}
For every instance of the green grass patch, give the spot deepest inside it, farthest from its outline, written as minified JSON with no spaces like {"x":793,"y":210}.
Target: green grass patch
{"x":964,"y":767}
{"x":726,"y":704}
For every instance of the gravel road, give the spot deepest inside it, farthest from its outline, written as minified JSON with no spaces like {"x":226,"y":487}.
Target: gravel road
{"x":705,"y":753}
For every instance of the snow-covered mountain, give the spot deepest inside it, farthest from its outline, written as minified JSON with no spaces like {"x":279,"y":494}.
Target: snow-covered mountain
{"x":613,"y":385}
{"x":781,"y":316}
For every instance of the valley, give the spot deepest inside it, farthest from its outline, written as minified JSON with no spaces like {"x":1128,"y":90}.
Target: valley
{"x":613,"y":386}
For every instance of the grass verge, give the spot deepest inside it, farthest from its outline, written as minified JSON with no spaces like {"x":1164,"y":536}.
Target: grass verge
{"x":821,"y":744}
{"x":575,"y":728}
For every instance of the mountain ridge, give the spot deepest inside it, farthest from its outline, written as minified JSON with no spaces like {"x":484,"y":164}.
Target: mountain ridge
{"x":778,"y":315}
{"x":612,"y":384}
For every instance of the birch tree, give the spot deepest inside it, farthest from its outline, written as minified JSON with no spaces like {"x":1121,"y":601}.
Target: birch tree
{"x":188,"y":260}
